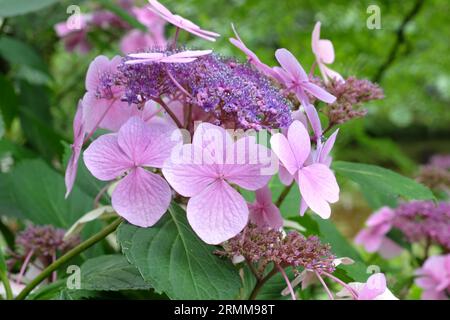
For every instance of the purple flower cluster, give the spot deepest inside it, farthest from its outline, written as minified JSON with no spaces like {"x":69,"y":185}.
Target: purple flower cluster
{"x":424,"y":221}
{"x":266,"y":245}
{"x":44,"y":241}
{"x":235,"y":94}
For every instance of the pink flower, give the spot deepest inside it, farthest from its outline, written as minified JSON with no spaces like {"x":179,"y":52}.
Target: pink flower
{"x":78,"y":139}
{"x":181,"y":22}
{"x":374,"y":238}
{"x":296,"y":79}
{"x":324,"y":52}
{"x":251,"y":56}
{"x":374,"y":289}
{"x":141,"y":197}
{"x":434,"y":278}
{"x":317,"y":183}
{"x":204,"y":170}
{"x":179,"y":57}
{"x":263,"y":212}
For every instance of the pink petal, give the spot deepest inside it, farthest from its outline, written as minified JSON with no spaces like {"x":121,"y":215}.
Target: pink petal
{"x":328,"y":73}
{"x":369,"y":239}
{"x":319,"y":93}
{"x":375,"y":286}
{"x":281,"y":147}
{"x":285,"y":177}
{"x":290,"y":64}
{"x":78,"y":136}
{"x":105,"y":114}
{"x":147,"y":55}
{"x":294,"y":150}
{"x":263,"y":195}
{"x":105,"y":159}
{"x":160,"y":8}
{"x":268,"y":216}
{"x":299,"y":141}
{"x":218,"y":213}
{"x":141,"y":197}
{"x":326,"y":51}
{"x":147,"y":145}
{"x":96,"y":68}
{"x":71,"y":169}
{"x":190,"y":54}
{"x":383,"y":216}
{"x":248,"y":164}
{"x":214,"y":140}
{"x":318,"y":186}
{"x":389,"y":249}
{"x":327,"y":147}
{"x":187,"y":173}
{"x":315,"y":37}
{"x":303,"y":207}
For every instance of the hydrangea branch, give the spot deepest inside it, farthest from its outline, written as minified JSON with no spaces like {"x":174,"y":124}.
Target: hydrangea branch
{"x":69,"y":255}
{"x":260,"y":283}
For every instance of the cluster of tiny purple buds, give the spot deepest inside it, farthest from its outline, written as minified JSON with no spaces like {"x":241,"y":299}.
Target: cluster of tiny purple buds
{"x":424,"y":221}
{"x":41,"y":243}
{"x":235,"y":94}
{"x":263,"y":246}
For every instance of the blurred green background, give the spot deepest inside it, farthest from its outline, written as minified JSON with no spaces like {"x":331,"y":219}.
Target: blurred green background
{"x":40,"y":83}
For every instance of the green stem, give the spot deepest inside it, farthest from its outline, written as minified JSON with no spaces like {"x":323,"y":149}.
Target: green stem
{"x":260,"y":283}
{"x":69,"y":255}
{"x":283,"y":195}
{"x":7,"y":285}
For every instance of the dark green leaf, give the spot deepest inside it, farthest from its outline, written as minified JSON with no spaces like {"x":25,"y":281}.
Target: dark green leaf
{"x":2,"y":262}
{"x":9,"y":102}
{"x":381,"y":183}
{"x":19,"y":53}
{"x":175,"y":261}
{"x":111,"y":273}
{"x":37,"y":192}
{"x":2,"y":125}
{"x":36,"y":120}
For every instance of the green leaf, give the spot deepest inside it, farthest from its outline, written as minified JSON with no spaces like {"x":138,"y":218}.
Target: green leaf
{"x":37,"y":192}
{"x":111,"y":273}
{"x":19,"y":53}
{"x":36,"y":120}
{"x":380,"y":185}
{"x":9,"y":103}
{"x":175,"y":261}
{"x":10,"y":8}
{"x":2,"y":262}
